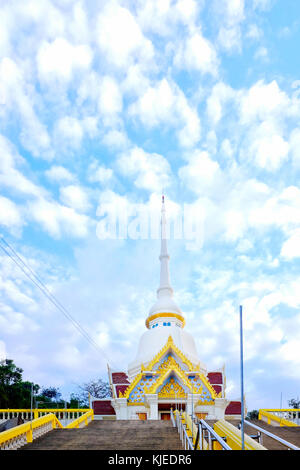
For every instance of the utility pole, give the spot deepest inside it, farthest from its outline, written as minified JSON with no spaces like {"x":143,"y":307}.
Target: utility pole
{"x":31,"y":402}
{"x":242,"y":378}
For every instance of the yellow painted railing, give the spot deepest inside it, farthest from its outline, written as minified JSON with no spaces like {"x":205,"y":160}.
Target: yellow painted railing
{"x":279,"y":417}
{"x":234,"y":436}
{"x":60,"y":413}
{"x":192,"y":430}
{"x":25,"y":433}
{"x":85,"y":419}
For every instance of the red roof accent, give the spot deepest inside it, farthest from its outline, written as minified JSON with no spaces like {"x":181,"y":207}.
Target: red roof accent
{"x":217,"y":388}
{"x":119,"y":378}
{"x":103,"y":407}
{"x":234,"y":408}
{"x":121,"y":388}
{"x":215,"y":377}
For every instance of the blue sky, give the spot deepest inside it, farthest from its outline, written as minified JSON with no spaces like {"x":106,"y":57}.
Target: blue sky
{"x":104,"y":106}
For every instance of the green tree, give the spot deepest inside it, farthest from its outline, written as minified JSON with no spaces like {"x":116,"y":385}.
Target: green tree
{"x":77,"y":401}
{"x":49,"y":398}
{"x":293,"y":403}
{"x":251,"y":415}
{"x":14,"y":393}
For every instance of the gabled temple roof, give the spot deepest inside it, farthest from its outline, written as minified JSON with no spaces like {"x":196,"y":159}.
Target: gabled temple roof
{"x":165,"y":369}
{"x":215,"y":378}
{"x":103,"y":407}
{"x":234,"y":408}
{"x":119,"y":378}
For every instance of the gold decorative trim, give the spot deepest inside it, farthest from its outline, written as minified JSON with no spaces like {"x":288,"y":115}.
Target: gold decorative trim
{"x":208,"y":385}
{"x":167,"y":367}
{"x":172,"y":389}
{"x":165,"y":314}
{"x":170,"y":344}
{"x":204,"y":403}
{"x":163,"y":377}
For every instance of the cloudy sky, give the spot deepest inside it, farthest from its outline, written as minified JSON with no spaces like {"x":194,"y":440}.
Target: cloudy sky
{"x":104,"y":105}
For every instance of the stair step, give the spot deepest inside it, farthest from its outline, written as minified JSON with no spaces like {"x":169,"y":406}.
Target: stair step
{"x":112,"y":435}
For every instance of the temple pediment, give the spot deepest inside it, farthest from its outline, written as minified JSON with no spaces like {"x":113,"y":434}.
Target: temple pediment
{"x":169,"y":375}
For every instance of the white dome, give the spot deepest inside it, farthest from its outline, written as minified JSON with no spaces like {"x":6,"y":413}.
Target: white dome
{"x":153,"y":340}
{"x":164,"y":305}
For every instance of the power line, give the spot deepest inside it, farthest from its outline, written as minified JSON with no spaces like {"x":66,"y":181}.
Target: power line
{"x":35,"y":279}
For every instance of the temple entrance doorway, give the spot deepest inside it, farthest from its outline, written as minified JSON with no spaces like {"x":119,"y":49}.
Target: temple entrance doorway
{"x":164,"y":410}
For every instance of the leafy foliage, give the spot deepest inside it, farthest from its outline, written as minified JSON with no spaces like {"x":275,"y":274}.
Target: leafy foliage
{"x":251,"y":415}
{"x":14,"y":393}
{"x":294,"y":403}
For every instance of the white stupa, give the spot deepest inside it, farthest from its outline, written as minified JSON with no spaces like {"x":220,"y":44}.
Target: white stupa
{"x":166,"y":371}
{"x":165,"y":318}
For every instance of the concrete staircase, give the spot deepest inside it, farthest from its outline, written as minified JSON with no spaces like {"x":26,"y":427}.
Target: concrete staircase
{"x":111,"y":435}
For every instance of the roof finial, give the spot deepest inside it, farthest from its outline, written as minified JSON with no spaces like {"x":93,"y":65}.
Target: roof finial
{"x":165,"y":288}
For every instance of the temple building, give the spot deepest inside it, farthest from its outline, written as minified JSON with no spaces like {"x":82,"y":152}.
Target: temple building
{"x":166,"y":372}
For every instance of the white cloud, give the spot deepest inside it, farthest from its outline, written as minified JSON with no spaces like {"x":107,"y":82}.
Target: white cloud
{"x":90,"y":126}
{"x":232,"y":11}
{"x":10,"y":176}
{"x":262,"y":53}
{"x":136,"y":81}
{"x":230,"y":38}
{"x":99,"y":174}
{"x":151,"y":171}
{"x":42,"y":17}
{"x":58,"y":220}
{"x":5,"y":29}
{"x":220,"y":95}
{"x":78,"y":24}
{"x":59,"y":174}
{"x":10,"y":215}
{"x":69,"y":132}
{"x":202,"y":174}
{"x":14,"y":323}
{"x":59,"y":60}
{"x":268,"y":148}
{"x":116,"y":139}
{"x":295,"y":147}
{"x":263,"y":101}
{"x":110,"y":97}
{"x":262,"y":4}
{"x":197,"y":53}
{"x":120,"y":38}
{"x":291,"y":247}
{"x":162,"y":17}
{"x":254,"y":32}
{"x":17,"y":97}
{"x":165,"y":103}
{"x":75,"y":197}
{"x":3,"y":354}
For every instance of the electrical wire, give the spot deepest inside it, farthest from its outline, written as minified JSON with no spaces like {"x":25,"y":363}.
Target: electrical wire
{"x":35,"y":279}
